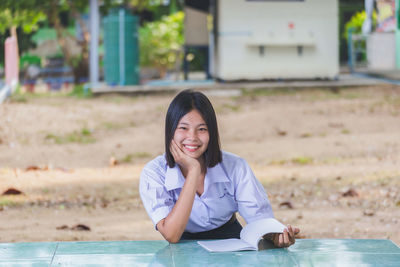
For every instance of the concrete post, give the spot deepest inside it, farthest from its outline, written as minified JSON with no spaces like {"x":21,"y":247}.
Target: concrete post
{"x":397,"y":33}
{"x":94,"y":43}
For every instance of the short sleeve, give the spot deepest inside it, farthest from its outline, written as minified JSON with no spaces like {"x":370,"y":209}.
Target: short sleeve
{"x":253,"y":203}
{"x":155,"y":197}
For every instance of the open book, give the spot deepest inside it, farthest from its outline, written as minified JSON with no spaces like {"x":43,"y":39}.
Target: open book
{"x":250,"y":236}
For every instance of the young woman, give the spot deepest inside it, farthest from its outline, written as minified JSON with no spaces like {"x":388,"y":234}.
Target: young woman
{"x":194,"y":189}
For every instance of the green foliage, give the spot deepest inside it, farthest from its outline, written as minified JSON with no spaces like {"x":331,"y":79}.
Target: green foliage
{"x":302,"y":160}
{"x":161,"y":41}
{"x":138,"y":155}
{"x":81,"y":91}
{"x":20,"y":16}
{"x":82,"y":137}
{"x":356,"y":23}
{"x":28,"y":59}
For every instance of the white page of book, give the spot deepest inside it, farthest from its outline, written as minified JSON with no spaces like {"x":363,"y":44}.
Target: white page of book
{"x":232,"y":244}
{"x":254,"y":231}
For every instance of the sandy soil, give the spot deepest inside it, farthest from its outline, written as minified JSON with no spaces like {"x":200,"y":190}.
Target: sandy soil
{"x":330,"y":161}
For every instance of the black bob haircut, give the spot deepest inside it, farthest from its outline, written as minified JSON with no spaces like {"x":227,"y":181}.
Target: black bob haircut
{"x":182,"y":104}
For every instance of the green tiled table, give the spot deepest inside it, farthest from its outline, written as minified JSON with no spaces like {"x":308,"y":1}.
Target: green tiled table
{"x":306,"y":252}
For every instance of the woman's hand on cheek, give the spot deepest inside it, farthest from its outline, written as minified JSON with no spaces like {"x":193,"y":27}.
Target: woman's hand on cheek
{"x":182,"y":159}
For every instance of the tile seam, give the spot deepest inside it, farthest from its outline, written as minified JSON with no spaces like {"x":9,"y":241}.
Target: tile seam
{"x":54,"y":254}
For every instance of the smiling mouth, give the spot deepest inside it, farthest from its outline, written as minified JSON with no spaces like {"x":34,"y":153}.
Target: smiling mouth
{"x":191,"y":148}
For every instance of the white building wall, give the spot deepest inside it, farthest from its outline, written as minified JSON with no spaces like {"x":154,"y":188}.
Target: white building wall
{"x":255,"y":40}
{"x":381,"y":51}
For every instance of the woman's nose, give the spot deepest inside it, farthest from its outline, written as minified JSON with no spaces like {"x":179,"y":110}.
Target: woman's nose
{"x":192,"y":134}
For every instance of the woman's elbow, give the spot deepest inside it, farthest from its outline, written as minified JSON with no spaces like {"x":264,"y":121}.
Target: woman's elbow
{"x":170,"y":234}
{"x":172,"y":238}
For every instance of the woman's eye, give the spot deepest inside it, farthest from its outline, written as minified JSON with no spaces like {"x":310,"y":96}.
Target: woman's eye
{"x":203,"y":129}
{"x":182,"y":128}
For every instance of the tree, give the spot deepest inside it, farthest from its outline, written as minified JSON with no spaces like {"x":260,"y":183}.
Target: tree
{"x":75,"y":8}
{"x":28,"y":13}
{"x":161,"y":42}
{"x":21,"y":13}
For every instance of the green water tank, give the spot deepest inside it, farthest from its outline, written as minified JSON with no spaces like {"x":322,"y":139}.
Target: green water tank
{"x":121,"y":48}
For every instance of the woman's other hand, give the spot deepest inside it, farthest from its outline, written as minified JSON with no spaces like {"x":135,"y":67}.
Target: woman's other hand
{"x":286,"y":239}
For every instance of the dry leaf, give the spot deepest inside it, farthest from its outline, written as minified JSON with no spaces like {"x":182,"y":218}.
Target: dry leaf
{"x":32,"y":168}
{"x":62,"y":227}
{"x":286,"y":204}
{"x":350,"y":193}
{"x":36,"y":168}
{"x":80,"y":227}
{"x":280,"y":132}
{"x":12,"y":191}
{"x":113,"y":161}
{"x":369,"y":213}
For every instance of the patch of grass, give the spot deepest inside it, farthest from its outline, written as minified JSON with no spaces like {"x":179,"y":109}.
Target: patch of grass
{"x":232,"y":107}
{"x":19,"y":98}
{"x":306,"y":135}
{"x":333,"y":160}
{"x":7,"y":202}
{"x":45,"y":190}
{"x":160,"y":108}
{"x":86,"y":132}
{"x":82,"y":137}
{"x":112,"y":125}
{"x":298,"y":160}
{"x":138,"y":155}
{"x":24,"y":97}
{"x":141,"y":155}
{"x":81,"y":91}
{"x":302,"y":160}
{"x":23,"y":140}
{"x":333,"y":93}
{"x":393,"y":101}
{"x":278,"y":162}
{"x":127,"y":158}
{"x":119,"y":99}
{"x":267,"y":91}
{"x":345,"y":131}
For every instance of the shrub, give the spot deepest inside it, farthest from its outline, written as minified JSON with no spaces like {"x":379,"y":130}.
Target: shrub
{"x":160,"y":42}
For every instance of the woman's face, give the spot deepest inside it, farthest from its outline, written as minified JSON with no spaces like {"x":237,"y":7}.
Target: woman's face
{"x":191,"y":134}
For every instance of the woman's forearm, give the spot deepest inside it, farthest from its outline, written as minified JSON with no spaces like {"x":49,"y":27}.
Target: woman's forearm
{"x":174,"y":224}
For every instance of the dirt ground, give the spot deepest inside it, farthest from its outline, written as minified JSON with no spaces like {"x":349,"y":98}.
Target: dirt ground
{"x":330,"y":161}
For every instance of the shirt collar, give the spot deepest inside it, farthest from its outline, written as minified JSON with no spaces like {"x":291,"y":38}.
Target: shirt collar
{"x":174,"y":178}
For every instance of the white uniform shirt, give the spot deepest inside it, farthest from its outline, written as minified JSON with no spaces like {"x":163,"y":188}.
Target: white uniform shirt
{"x":229,"y":186}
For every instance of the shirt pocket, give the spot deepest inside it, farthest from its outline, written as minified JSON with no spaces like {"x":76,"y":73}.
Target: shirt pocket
{"x":222,"y":205}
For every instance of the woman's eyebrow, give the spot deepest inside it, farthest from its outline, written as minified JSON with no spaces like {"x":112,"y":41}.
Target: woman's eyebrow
{"x":185,"y":123}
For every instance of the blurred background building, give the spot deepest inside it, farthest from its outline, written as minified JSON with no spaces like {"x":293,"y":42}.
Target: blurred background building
{"x":130,"y":42}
